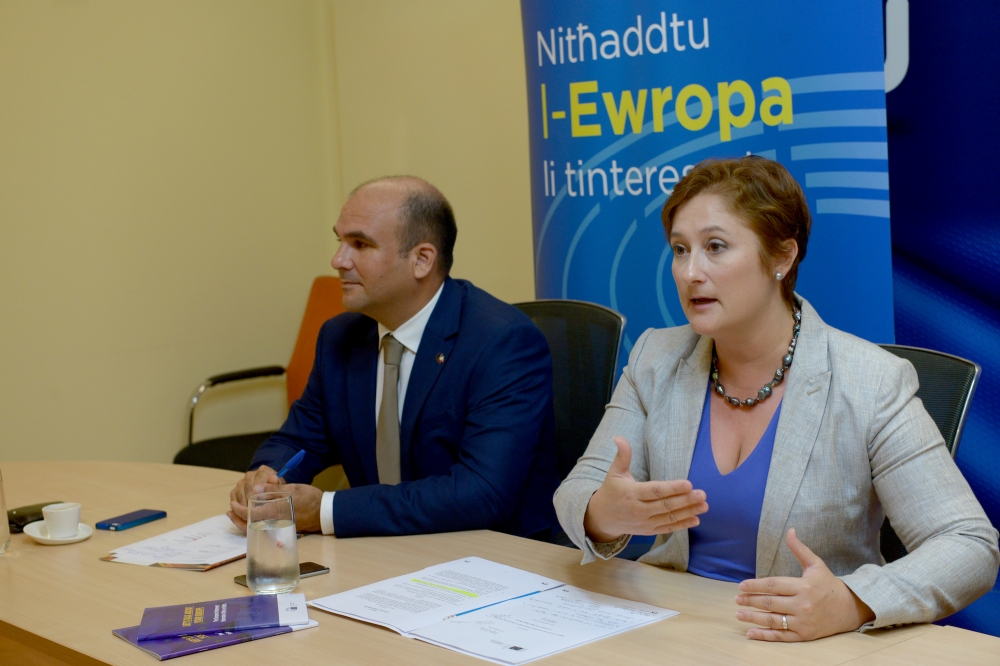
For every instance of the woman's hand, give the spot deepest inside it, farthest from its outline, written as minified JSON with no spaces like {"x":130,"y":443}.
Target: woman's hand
{"x":816,"y":605}
{"x":623,"y":505}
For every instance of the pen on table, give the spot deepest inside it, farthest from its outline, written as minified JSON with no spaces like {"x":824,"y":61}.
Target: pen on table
{"x":292,"y":464}
{"x":493,"y":604}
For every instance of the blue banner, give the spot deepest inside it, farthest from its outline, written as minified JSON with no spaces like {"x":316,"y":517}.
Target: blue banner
{"x":625,"y":97}
{"x":946,"y":221}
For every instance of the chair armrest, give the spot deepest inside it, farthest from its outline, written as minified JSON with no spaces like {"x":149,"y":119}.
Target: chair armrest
{"x":225,"y":378}
{"x":251,"y":373}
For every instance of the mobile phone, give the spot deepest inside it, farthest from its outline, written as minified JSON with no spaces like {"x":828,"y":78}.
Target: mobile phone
{"x":306,"y":569}
{"x":124,"y":522}
{"x":22,"y":515}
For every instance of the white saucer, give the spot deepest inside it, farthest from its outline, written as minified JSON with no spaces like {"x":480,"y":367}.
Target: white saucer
{"x":39,"y":533}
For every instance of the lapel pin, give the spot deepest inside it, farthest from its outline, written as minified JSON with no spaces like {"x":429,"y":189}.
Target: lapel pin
{"x":439,"y":358}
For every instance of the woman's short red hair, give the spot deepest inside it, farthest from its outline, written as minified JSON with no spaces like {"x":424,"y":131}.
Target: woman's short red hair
{"x":764,"y":194}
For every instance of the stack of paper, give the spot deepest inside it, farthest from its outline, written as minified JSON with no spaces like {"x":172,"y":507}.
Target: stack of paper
{"x":200,"y":547}
{"x":491,"y":611}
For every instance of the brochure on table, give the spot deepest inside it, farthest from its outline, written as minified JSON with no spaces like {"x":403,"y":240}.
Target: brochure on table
{"x":491,"y":611}
{"x":179,"y":646}
{"x":175,"y":631}
{"x":214,"y":617}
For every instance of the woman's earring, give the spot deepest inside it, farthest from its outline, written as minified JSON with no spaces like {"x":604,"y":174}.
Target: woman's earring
{"x":778,"y":277}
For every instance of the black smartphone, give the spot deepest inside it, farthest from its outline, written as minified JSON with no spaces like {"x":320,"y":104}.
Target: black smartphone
{"x":306,"y":569}
{"x":23,"y":515}
{"x":124,"y":522}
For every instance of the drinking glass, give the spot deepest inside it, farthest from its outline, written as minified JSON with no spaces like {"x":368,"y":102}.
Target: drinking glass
{"x":4,"y":526}
{"x":272,"y":551}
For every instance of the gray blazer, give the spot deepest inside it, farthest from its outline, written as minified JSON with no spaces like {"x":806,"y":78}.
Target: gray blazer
{"x":854,"y":444}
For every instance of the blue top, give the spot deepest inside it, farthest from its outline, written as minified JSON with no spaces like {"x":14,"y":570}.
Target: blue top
{"x":724,"y":545}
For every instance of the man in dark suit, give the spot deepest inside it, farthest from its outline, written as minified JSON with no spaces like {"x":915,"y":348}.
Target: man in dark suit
{"x":435,"y":396}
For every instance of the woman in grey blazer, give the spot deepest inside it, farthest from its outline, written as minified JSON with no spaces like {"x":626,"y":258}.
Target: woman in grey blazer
{"x":801,"y":438}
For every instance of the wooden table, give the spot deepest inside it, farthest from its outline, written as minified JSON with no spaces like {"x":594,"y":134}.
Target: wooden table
{"x":63,"y":602}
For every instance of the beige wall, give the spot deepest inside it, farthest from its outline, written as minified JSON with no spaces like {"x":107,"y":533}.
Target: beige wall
{"x":164,"y":199}
{"x":170,"y":173}
{"x":436,"y":88}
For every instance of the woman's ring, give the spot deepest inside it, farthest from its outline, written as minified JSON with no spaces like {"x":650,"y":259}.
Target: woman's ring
{"x":784,"y":623}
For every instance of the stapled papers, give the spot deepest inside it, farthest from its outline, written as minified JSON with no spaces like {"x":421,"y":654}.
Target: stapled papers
{"x":199,"y":547}
{"x":491,"y":611}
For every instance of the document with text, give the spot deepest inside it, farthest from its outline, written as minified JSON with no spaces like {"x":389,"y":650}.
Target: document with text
{"x":200,"y":547}
{"x":491,"y":611}
{"x":418,"y":599}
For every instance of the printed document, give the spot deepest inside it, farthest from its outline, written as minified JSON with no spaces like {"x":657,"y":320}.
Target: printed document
{"x":539,"y":625}
{"x":434,"y":594}
{"x":201,"y":546}
{"x":491,"y":611}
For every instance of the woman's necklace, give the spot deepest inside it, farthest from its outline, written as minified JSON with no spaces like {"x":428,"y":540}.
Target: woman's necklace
{"x":765,"y":392}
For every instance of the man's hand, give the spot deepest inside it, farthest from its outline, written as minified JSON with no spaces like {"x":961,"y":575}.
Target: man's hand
{"x":248,"y":486}
{"x":816,"y":605}
{"x":306,"y":501}
{"x":252,"y":483}
{"x":623,"y":505}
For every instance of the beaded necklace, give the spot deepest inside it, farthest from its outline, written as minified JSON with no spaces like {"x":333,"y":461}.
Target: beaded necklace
{"x":765,"y":392}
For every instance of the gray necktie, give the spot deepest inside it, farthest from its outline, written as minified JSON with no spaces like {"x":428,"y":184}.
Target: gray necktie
{"x":387,"y":432}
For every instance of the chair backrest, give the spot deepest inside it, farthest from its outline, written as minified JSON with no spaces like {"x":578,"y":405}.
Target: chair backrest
{"x":324,"y":303}
{"x":584,"y":339}
{"x":947,"y":384}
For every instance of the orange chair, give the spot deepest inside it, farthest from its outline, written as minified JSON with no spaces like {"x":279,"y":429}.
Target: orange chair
{"x":234,"y":452}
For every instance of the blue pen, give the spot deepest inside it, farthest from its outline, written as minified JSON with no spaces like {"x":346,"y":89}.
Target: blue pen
{"x":292,"y":464}
{"x":499,"y":602}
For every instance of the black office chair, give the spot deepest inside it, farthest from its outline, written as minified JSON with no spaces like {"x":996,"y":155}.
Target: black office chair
{"x":584,"y":339}
{"x":947,"y":384}
{"x":232,"y":452}
{"x":235,"y":452}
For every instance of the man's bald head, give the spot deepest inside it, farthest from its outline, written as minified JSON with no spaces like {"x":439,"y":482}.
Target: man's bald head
{"x":425,"y":215}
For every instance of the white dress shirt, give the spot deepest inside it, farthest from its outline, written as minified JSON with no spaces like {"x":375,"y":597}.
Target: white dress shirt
{"x":408,"y":334}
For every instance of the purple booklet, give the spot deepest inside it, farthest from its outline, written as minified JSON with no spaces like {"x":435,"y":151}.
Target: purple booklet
{"x":178,"y":646}
{"x":215,"y":617}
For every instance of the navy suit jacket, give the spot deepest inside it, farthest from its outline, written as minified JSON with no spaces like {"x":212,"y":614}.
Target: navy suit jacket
{"x":477,"y":446}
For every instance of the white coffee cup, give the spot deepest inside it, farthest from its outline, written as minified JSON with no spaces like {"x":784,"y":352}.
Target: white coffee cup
{"x":62,"y":520}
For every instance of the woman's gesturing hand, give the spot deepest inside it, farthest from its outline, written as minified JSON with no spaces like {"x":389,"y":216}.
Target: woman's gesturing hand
{"x":623,"y":505}
{"x":801,"y":609}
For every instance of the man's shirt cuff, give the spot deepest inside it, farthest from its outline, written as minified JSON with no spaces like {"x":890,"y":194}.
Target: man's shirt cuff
{"x":326,"y":513}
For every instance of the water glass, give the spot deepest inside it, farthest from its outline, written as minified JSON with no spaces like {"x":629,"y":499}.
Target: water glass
{"x":272,"y":550}
{"x":4,"y":525}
